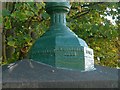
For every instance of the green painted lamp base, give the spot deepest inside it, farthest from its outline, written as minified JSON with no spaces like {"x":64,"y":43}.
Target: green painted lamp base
{"x":63,"y":51}
{"x":59,"y":46}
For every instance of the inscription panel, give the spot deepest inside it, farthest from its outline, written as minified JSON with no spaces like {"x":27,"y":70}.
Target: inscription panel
{"x":89,"y":59}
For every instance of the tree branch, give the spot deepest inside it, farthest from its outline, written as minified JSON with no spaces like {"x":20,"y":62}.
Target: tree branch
{"x":79,"y":14}
{"x":92,"y":4}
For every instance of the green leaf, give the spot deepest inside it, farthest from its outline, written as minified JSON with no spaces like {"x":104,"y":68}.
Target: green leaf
{"x":31,"y":3}
{"x":27,"y":38}
{"x":40,"y":5}
{"x":5,"y":12}
{"x":11,"y":43}
{"x":29,"y":13}
{"x":45,"y":15}
{"x":1,"y":19}
{"x":20,"y":15}
{"x":8,"y":24}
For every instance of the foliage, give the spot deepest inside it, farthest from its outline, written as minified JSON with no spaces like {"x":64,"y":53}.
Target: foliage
{"x":101,"y":34}
{"x":24,"y":22}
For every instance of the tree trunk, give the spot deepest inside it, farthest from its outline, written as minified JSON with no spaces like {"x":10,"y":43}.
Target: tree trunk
{"x":10,"y":50}
{"x":3,"y":39}
{"x":3,"y":48}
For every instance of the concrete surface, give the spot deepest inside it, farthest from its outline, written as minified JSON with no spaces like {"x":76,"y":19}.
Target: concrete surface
{"x":30,"y":74}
